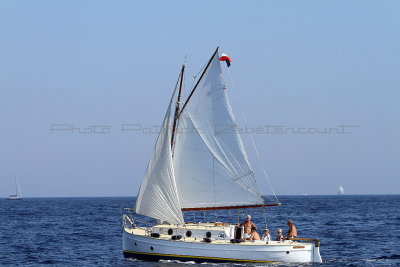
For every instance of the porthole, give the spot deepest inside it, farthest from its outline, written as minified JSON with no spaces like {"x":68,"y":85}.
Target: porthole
{"x":135,"y":244}
{"x":170,"y":231}
{"x":188,"y":233}
{"x":151,"y":248}
{"x":287,"y":252}
{"x":208,"y":234}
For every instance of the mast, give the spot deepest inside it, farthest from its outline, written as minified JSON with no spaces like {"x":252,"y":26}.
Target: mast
{"x":194,"y":88}
{"x":16,"y":186}
{"x":177,"y":105}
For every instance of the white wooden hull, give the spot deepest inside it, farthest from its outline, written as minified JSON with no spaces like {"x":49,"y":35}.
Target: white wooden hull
{"x":149,"y":248}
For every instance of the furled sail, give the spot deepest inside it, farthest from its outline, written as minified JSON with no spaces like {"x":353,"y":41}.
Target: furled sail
{"x":158,"y":197}
{"x":210,"y":163}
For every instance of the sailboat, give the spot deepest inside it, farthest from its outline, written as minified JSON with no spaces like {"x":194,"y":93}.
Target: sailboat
{"x":340,"y":190}
{"x":196,"y":167}
{"x":18,"y":195}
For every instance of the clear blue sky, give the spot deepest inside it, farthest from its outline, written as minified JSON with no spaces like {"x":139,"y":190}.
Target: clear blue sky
{"x":296,"y":64}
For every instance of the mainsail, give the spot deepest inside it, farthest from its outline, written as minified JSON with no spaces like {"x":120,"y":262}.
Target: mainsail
{"x":18,"y":189}
{"x":158,"y":197}
{"x":210,"y":163}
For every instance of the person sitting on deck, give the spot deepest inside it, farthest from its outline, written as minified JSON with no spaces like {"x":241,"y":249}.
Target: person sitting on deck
{"x":266,"y":236}
{"x":254,"y":235}
{"x":280,"y":236}
{"x":248,"y":224}
{"x":292,"y":233}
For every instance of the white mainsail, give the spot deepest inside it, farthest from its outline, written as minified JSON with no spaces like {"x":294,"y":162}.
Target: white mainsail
{"x":210,"y":163}
{"x":158,"y":197}
{"x":18,"y":189}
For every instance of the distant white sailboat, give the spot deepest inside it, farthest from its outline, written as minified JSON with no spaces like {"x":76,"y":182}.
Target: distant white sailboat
{"x":18,"y":195}
{"x":340,"y":190}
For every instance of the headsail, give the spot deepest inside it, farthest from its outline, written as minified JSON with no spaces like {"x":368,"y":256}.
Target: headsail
{"x":18,"y":189}
{"x":158,"y":197}
{"x":210,"y":163}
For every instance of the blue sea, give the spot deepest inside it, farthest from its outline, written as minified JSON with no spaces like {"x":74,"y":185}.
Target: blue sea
{"x":354,"y":230}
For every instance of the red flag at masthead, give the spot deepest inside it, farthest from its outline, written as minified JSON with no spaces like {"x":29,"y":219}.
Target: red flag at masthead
{"x":224,"y":57}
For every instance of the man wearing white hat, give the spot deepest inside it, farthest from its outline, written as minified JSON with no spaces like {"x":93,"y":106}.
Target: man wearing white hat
{"x":266,"y":236}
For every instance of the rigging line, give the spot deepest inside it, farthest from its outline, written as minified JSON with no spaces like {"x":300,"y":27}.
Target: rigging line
{"x":197,"y":74}
{"x":194,"y":77}
{"x":215,"y":198}
{"x":176,"y":86}
{"x":244,"y":175}
{"x":269,"y":198}
{"x":191,"y":73}
{"x":184,"y":78}
{"x":251,"y":137}
{"x":265,"y":218}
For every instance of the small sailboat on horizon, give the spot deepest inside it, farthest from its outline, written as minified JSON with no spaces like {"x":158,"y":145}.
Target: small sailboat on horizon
{"x":18,"y":195}
{"x":340,"y":190}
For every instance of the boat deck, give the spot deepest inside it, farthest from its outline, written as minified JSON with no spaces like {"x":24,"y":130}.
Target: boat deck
{"x":196,"y":226}
{"x":142,"y":232}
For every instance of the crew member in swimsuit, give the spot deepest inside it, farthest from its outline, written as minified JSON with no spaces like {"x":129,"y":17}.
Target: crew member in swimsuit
{"x":292,"y":233}
{"x":280,"y":236}
{"x":248,"y":224}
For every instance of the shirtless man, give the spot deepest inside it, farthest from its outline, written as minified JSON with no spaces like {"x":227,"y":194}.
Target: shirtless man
{"x":248,"y":224}
{"x":254,"y":235}
{"x":292,"y":230}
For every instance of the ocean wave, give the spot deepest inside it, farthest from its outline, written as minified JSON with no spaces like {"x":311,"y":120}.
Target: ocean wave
{"x":392,"y":257}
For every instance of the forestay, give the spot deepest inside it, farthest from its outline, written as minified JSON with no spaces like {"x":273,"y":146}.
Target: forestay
{"x":158,"y":197}
{"x":210,"y":163}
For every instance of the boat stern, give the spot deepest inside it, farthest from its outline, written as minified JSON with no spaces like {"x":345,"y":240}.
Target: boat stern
{"x":316,"y":255}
